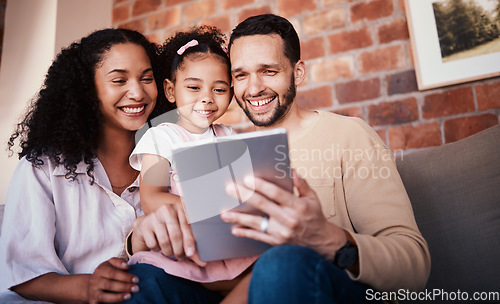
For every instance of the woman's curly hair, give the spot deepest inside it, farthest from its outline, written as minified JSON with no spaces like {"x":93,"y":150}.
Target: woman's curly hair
{"x":64,"y":120}
{"x":210,"y":40}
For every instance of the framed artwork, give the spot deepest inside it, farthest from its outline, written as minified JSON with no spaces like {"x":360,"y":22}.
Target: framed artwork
{"x":454,"y":41}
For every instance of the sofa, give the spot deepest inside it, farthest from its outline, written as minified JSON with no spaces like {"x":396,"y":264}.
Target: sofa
{"x":455,"y":194}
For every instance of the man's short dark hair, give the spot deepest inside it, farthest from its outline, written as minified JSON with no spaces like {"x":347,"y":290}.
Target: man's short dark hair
{"x":267,"y":24}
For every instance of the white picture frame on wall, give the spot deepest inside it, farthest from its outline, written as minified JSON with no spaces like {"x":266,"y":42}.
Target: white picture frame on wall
{"x":430,"y":69}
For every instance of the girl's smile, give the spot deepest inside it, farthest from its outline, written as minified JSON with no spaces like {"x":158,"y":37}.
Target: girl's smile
{"x":206,"y":113}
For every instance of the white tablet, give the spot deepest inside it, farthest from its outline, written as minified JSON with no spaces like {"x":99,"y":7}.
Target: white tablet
{"x":205,"y":167}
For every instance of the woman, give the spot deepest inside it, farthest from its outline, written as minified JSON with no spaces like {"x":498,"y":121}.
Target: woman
{"x":73,"y":197}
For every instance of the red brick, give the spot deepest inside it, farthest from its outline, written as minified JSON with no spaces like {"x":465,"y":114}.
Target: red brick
{"x":154,"y":38}
{"x":229,"y":4}
{"x":145,"y":6}
{"x":312,"y":48}
{"x":396,"y":30}
{"x":175,"y":2}
{"x":199,"y":9}
{"x":221,"y":22}
{"x":173,"y":30}
{"x":121,"y":13}
{"x":165,"y":18}
{"x":396,"y":112}
{"x":351,"y":111}
{"x":358,"y":90}
{"x":450,"y":102}
{"x":138,"y":25}
{"x":350,"y":40}
{"x":371,"y":10}
{"x":254,"y":11}
{"x":324,"y":20}
{"x":332,"y":69}
{"x":402,"y":5}
{"x":389,"y":58}
{"x":458,"y":128}
{"x":118,"y":1}
{"x":488,"y":96}
{"x":413,"y":137}
{"x":287,"y":8}
{"x":403,"y":82}
{"x":315,"y":98}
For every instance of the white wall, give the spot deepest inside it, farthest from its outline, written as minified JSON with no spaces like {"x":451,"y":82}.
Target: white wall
{"x":35,"y":31}
{"x":77,"y":18}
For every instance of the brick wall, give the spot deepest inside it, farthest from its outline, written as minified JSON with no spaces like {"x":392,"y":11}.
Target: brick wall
{"x":359,"y":63}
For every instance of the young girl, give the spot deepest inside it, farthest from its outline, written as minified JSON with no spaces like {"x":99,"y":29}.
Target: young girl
{"x":198,"y":81}
{"x":73,"y":197}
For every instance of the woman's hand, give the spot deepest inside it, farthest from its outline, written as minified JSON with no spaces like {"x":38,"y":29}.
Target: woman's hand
{"x":166,"y":230}
{"x":111,"y":283}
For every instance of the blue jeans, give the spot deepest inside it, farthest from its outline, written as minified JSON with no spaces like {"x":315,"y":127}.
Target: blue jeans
{"x":294,"y":274}
{"x":156,"y":286}
{"x":283,"y":274}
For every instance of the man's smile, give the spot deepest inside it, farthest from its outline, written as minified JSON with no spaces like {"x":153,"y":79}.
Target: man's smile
{"x":261,"y":102}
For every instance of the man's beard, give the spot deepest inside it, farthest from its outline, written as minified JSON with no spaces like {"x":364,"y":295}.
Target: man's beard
{"x":279,"y":113}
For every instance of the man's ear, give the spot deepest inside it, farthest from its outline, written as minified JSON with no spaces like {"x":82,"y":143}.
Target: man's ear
{"x":299,"y":72}
{"x":168,"y":88}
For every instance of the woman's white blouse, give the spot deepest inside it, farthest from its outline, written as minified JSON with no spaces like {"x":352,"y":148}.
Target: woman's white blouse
{"x":53,"y":224}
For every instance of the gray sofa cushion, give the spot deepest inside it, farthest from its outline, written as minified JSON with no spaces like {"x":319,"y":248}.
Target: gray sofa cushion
{"x":455,"y":194}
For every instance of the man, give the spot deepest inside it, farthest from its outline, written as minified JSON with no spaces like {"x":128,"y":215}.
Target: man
{"x":350,"y":227}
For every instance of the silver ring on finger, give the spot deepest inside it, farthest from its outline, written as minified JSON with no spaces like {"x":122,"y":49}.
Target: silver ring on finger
{"x":264,"y":224}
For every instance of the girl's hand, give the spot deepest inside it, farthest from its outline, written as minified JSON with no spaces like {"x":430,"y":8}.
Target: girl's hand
{"x":166,"y":230}
{"x":111,"y":283}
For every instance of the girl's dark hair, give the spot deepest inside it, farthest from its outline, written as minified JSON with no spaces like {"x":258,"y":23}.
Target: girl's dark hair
{"x":268,"y":24}
{"x":64,"y":120}
{"x":210,"y":40}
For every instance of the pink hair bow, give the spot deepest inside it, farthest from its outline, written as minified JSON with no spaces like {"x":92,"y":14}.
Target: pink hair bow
{"x":186,"y":46}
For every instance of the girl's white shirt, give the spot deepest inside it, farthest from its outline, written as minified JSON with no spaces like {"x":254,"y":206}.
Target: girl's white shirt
{"x":53,"y":224}
{"x":162,"y":139}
